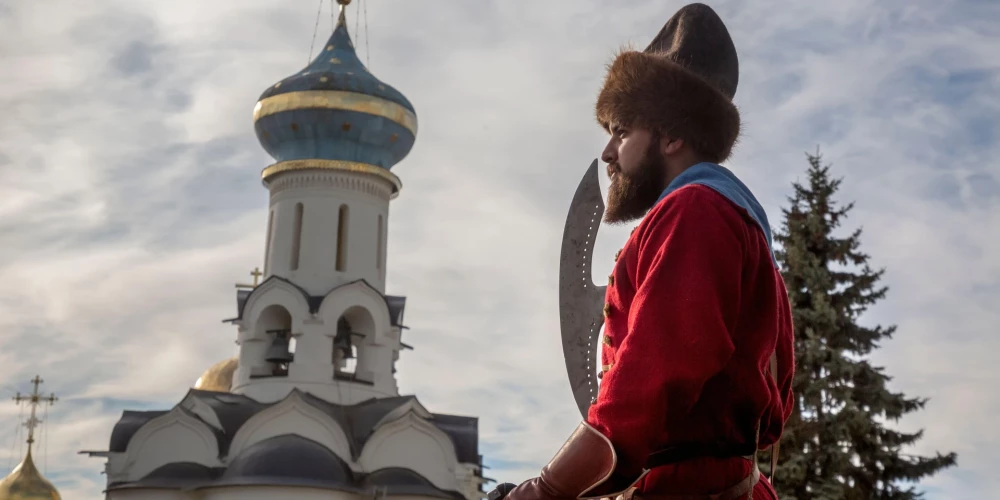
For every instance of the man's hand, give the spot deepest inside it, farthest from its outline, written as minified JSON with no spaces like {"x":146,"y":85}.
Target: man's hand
{"x":537,"y":489}
{"x":501,"y":491}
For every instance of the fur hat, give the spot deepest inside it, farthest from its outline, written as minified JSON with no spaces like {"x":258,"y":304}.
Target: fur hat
{"x":682,"y":85}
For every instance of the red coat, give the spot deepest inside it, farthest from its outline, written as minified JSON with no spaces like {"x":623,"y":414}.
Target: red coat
{"x":695,"y":308}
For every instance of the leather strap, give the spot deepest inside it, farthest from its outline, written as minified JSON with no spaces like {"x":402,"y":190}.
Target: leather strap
{"x":586,"y":460}
{"x":744,"y":487}
{"x":689,"y":451}
{"x":777,"y":444}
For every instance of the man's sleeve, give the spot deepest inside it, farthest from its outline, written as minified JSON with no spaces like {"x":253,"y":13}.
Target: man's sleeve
{"x":688,"y":289}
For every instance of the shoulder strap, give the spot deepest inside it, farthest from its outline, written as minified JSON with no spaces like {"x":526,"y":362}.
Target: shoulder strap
{"x":774,"y":448}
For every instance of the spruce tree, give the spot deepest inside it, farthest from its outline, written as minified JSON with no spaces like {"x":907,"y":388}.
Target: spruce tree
{"x":837,"y":444}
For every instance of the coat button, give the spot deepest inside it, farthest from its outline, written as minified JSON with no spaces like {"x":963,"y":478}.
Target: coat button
{"x":606,"y":341}
{"x":611,"y":280}
{"x":617,"y":254}
{"x":607,"y":310}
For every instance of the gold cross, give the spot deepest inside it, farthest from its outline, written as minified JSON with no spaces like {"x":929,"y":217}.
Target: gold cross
{"x":256,"y":279}
{"x":33,"y":400}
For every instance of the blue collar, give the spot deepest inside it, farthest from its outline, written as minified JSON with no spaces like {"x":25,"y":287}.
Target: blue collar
{"x":724,"y":182}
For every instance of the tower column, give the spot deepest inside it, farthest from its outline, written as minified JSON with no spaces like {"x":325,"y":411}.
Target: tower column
{"x":313,"y":355}
{"x":335,"y":132}
{"x":328,"y":227}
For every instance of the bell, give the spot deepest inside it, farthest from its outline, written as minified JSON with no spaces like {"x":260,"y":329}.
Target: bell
{"x":343,"y":344}
{"x":342,"y":341}
{"x":278,"y":352}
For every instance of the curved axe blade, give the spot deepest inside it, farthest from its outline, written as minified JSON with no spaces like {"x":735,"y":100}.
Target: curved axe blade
{"x":580,"y":300}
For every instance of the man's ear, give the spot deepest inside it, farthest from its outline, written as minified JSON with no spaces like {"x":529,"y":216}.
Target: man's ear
{"x":670,"y":145}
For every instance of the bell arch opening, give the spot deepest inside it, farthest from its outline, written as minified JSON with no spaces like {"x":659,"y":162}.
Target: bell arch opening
{"x":355,"y":331}
{"x":275,"y":324}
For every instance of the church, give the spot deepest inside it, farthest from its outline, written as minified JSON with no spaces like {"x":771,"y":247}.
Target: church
{"x":310,"y":408}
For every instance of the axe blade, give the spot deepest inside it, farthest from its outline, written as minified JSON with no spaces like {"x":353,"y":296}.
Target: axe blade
{"x":580,"y":300}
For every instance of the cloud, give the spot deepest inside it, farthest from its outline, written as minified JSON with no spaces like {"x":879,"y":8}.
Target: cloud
{"x":130,"y":199}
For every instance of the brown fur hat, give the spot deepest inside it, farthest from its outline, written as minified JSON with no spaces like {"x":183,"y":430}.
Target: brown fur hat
{"x":682,"y":85}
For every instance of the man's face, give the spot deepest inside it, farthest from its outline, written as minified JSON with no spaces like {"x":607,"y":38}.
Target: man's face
{"x":637,"y":171}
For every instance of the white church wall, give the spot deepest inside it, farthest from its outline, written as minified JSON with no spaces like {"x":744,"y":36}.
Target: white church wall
{"x":362,"y":295}
{"x":173,"y":437}
{"x":275,"y":493}
{"x":292,"y":416}
{"x":148,"y":494}
{"x":412,"y":443}
{"x":469,"y":481}
{"x":114,"y":468}
{"x":306,"y":251}
{"x":275,"y":292}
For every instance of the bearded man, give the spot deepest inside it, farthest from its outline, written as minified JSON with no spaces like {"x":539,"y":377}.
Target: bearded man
{"x":698,"y":341}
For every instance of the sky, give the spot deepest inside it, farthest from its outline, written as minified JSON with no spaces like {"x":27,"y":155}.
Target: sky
{"x":130,"y":196}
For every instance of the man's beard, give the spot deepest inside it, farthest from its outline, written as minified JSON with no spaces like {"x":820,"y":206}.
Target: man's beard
{"x":630,"y":196}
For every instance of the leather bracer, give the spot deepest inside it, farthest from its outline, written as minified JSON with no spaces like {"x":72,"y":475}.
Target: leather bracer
{"x":583,"y":468}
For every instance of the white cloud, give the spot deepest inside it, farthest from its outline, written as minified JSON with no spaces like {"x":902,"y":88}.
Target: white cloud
{"x":130,"y":198}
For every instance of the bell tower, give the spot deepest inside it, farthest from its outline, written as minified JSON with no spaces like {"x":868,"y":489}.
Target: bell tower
{"x":320,"y":320}
{"x":310,"y":408}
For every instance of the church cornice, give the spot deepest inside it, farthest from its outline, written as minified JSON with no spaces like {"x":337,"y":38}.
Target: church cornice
{"x":394,"y":304}
{"x":331,"y":174}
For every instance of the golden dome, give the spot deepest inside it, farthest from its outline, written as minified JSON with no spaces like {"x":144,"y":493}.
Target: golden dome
{"x":26,"y":483}
{"x":218,"y":378}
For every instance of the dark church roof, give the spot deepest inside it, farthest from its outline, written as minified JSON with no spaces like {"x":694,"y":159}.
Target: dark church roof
{"x":289,"y":460}
{"x":358,"y":421}
{"x":292,"y":459}
{"x":176,"y":475}
{"x":399,"y":481}
{"x":464,"y":432}
{"x":128,"y":425}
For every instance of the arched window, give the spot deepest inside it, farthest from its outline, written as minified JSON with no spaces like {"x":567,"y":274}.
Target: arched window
{"x":342,"y":221}
{"x":275,"y":325}
{"x":267,"y":242}
{"x":351,"y":346}
{"x":379,"y":252}
{"x":345,"y":351}
{"x":297,"y":236}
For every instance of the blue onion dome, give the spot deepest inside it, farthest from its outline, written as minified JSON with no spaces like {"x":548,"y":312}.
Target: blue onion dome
{"x":335,"y":114}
